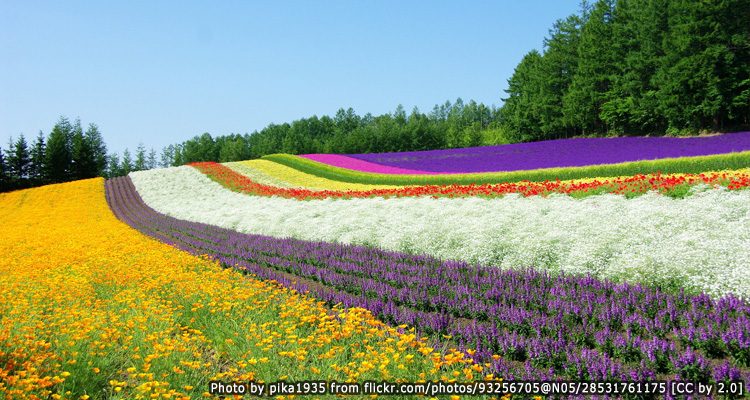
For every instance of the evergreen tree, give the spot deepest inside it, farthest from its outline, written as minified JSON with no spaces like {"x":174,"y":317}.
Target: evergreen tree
{"x":19,"y":162}
{"x":582,"y":103}
{"x":9,"y":152}
{"x":200,"y":148}
{"x":82,"y":154}
{"x":178,"y":160}
{"x":4,"y":181}
{"x":151,"y":160}
{"x":37,"y":171}
{"x":638,"y":31}
{"x":140,"y":158}
{"x":558,"y":68}
{"x":521,"y":110}
{"x":167,"y":156}
{"x":234,"y":149}
{"x":704,"y":75}
{"x":58,"y":156}
{"x":127,"y":163}
{"x":113,"y":166}
{"x":98,"y":149}
{"x":643,"y":66}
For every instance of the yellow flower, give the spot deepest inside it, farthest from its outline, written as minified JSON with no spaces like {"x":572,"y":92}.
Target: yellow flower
{"x":112,"y":296}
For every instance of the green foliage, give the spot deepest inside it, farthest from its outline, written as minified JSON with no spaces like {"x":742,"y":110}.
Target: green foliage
{"x":37,"y":172}
{"x":126,"y":166}
{"x":200,"y":148}
{"x":67,"y":154}
{"x":95,"y":142}
{"x":4,"y":179}
{"x":167,"y":156}
{"x":114,"y":168}
{"x":59,"y":159}
{"x":636,"y":67}
{"x":151,"y":159}
{"x":667,"y":166}
{"x":521,"y":111}
{"x":592,"y":80}
{"x":18,"y":163}
{"x":448,"y":125}
{"x":81,"y":153}
{"x":233,"y":148}
{"x":140,"y":158}
{"x":89,"y":153}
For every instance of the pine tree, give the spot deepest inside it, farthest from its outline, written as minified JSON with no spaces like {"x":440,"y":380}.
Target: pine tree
{"x":4,"y":180}
{"x":704,"y":75}
{"x":140,"y":158}
{"x":521,"y":110}
{"x":38,"y":170}
{"x":558,"y":67}
{"x":98,"y":150}
{"x":58,"y":155}
{"x":127,"y":163}
{"x":167,"y":156}
{"x":9,"y":153}
{"x":638,"y":30}
{"x":179,"y":157}
{"x":20,"y":162}
{"x":113,"y":167}
{"x":582,"y":103}
{"x":82,"y":154}
{"x":151,"y":160}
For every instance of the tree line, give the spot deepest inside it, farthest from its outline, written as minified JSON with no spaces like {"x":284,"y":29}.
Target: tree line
{"x":617,"y":67}
{"x":448,"y":125}
{"x":635,"y":67}
{"x":68,"y":153}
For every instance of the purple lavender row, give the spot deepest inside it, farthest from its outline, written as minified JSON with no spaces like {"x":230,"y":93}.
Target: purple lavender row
{"x":560,"y":153}
{"x":543,"y":326}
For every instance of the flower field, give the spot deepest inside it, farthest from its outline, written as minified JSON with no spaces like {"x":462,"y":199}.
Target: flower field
{"x":256,"y":174}
{"x":92,"y":309}
{"x":536,"y":155}
{"x":362,"y":165}
{"x":242,"y":179}
{"x":691,"y":164}
{"x":289,"y":177}
{"x":294,"y":268}
{"x":525,"y":324}
{"x":696,"y":242}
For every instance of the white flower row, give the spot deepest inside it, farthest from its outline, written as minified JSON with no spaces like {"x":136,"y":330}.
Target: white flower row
{"x":700,"y":242}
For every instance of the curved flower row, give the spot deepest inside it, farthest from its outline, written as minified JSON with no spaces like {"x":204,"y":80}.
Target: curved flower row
{"x":526,"y":324}
{"x":290,"y":177}
{"x":343,"y":161}
{"x":90,"y":308}
{"x":535,"y":155}
{"x":699,"y":242}
{"x":257,"y":175}
{"x":674,"y":184}
{"x":692,"y":165}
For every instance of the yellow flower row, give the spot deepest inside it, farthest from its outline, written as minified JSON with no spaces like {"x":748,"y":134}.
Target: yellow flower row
{"x":298,"y":179}
{"x":90,"y":308}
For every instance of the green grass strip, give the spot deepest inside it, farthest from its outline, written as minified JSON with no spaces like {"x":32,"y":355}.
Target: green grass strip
{"x":693,"y":165}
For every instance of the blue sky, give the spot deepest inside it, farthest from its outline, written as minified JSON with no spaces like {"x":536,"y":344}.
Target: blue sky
{"x":160,"y":72}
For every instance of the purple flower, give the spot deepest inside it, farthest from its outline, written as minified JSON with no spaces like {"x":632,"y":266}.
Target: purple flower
{"x":547,"y":154}
{"x":543,"y":326}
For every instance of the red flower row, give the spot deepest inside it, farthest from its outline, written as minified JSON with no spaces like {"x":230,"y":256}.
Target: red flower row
{"x":626,"y":185}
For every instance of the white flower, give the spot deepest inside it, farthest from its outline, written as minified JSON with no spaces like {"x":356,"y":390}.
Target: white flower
{"x":701,"y":242}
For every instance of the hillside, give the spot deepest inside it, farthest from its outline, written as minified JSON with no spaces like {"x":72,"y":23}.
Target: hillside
{"x":640,"y":276}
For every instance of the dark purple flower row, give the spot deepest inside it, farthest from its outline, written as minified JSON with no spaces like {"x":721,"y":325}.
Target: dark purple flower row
{"x":560,"y":153}
{"x":542,"y":326}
